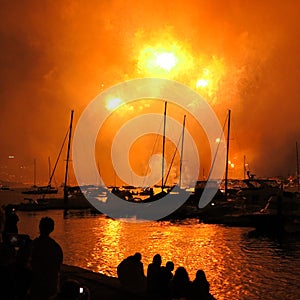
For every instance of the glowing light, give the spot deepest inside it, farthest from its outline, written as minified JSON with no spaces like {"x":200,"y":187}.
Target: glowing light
{"x":218,"y":140}
{"x":166,"y":60}
{"x":113,"y":103}
{"x":232,"y":165}
{"x":210,"y":77}
{"x":157,"y":61}
{"x":202,"y":83}
{"x":163,"y":55}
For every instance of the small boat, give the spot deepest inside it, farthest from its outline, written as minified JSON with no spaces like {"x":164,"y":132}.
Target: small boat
{"x":41,"y":190}
{"x":258,"y":190}
{"x":33,"y":205}
{"x":204,"y":184}
{"x":4,"y":188}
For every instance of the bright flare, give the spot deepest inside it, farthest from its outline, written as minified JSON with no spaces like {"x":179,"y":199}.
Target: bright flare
{"x":166,"y":61}
{"x":113,"y":103}
{"x":202,"y":83}
{"x":163,"y":56}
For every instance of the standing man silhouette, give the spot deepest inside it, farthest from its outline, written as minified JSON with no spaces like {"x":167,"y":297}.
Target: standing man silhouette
{"x":46,"y":260}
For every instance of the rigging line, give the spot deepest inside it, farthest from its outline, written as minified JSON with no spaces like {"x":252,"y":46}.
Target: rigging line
{"x":215,"y":156}
{"x":173,"y":158}
{"x":60,"y":151}
{"x":181,"y":154}
{"x":163,"y":148}
{"x":55,"y":183}
{"x":154,"y":146}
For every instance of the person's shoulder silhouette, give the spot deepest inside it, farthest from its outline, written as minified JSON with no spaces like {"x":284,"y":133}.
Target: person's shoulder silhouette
{"x":131,"y":274}
{"x":153,"y":274}
{"x":180,"y":284}
{"x":200,"y":287}
{"x":165,"y":277}
{"x":166,"y":272}
{"x":11,"y":220}
{"x":46,"y":260}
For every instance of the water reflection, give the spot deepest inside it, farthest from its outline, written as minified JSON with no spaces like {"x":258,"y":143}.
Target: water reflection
{"x":107,"y":241}
{"x":237,"y":265}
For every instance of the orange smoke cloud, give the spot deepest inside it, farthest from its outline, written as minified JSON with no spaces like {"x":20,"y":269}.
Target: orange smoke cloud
{"x":58,"y":56}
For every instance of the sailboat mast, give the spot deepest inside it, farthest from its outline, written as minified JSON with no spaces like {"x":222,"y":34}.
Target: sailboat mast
{"x":49,"y":167}
{"x":163,"y":148}
{"x":55,"y":165}
{"x":67,"y":163}
{"x":181,"y":155}
{"x":297,"y":160}
{"x":34,"y":172}
{"x":244,"y":166}
{"x":227,"y":154}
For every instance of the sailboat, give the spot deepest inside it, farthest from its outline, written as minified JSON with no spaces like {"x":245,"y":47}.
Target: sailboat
{"x":158,"y":191}
{"x":164,"y":188}
{"x":162,"y":193}
{"x":41,"y":190}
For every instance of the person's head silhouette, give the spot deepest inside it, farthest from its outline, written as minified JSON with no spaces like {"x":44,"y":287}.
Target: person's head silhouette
{"x":137,"y":256}
{"x":46,"y":226}
{"x":200,"y":276}
{"x":156,"y":259}
{"x":170,"y":266}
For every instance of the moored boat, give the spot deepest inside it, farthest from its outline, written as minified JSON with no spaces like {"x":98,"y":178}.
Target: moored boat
{"x":41,"y":190}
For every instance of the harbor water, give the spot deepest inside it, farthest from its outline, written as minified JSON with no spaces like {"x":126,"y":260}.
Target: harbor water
{"x":238,"y":264}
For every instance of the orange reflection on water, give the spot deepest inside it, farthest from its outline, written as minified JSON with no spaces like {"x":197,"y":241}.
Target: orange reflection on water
{"x":236,"y":266}
{"x":107,"y":237}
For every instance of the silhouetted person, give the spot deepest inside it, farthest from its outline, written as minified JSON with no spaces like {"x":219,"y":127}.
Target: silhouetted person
{"x":131,"y":274}
{"x":137,"y":257}
{"x":7,"y":263}
{"x":166,"y":276}
{"x":153,"y":275}
{"x":11,"y":223}
{"x":2,"y":222}
{"x":180,"y":285}
{"x":200,"y":287}
{"x":23,"y":273}
{"x":46,"y":260}
{"x":151,"y":192}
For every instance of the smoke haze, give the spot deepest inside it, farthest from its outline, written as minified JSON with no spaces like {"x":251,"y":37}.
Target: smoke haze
{"x":57,"y":56}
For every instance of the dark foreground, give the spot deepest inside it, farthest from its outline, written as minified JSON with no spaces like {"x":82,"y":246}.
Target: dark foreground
{"x":101,"y":286}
